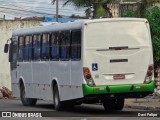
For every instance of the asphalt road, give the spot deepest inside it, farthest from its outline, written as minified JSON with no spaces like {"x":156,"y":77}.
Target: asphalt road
{"x":81,"y":112}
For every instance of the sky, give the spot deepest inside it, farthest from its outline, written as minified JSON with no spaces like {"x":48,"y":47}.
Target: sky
{"x":41,"y":8}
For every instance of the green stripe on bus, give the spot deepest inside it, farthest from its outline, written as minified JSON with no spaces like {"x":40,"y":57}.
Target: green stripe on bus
{"x":87,"y":90}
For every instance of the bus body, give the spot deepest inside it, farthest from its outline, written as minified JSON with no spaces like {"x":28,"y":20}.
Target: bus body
{"x":88,"y":61}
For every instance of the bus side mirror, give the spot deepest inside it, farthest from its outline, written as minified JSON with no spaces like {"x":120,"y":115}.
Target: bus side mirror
{"x":6,"y":48}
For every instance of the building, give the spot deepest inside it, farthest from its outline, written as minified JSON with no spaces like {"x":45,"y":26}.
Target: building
{"x":118,"y":7}
{"x":114,"y":8}
{"x":156,"y":3}
{"x":6,"y":29}
{"x":61,"y":20}
{"x":124,"y":6}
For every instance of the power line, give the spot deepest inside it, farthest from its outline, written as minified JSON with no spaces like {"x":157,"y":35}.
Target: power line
{"x":41,"y":8}
{"x":34,"y":12}
{"x":26,"y":8}
{"x":27,"y":11}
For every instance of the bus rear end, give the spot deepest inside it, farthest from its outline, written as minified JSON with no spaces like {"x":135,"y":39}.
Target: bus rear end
{"x":118,"y":59}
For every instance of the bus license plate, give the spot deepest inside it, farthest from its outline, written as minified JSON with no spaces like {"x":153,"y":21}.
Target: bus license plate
{"x":119,"y":76}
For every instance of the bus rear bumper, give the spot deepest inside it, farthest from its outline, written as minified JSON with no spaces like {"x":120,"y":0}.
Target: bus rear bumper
{"x":126,"y":91}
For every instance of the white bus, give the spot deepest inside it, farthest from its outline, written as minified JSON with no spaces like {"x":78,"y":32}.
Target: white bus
{"x":89,"y":61}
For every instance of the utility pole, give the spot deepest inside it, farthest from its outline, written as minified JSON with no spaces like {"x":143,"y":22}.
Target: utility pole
{"x":56,"y":10}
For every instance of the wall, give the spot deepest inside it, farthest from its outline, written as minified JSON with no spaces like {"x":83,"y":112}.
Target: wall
{"x":6,"y":29}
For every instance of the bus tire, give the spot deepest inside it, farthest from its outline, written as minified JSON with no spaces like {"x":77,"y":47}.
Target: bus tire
{"x":56,"y":99}
{"x":26,"y":101}
{"x":119,"y":104}
{"x":109,"y":105}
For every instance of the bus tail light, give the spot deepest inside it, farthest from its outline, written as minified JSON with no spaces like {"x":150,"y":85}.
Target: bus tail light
{"x":88,"y":77}
{"x":149,"y":74}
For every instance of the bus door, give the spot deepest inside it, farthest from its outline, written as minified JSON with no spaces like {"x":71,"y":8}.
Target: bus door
{"x":13,"y":65}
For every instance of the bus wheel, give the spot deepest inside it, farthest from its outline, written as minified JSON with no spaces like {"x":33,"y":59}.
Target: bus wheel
{"x":119,"y":104}
{"x":109,"y":105}
{"x":56,"y":99}
{"x":26,"y":101}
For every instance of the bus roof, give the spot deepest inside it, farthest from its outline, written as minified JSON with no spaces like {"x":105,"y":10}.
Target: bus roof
{"x":47,"y":28}
{"x":78,"y":24}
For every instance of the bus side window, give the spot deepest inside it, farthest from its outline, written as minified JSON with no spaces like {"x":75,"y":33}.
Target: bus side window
{"x":76,"y":45}
{"x":65,"y":45}
{"x":21,"y":49}
{"x":28,"y":48}
{"x":36,"y":47}
{"x":55,"y":46}
{"x":45,"y":46}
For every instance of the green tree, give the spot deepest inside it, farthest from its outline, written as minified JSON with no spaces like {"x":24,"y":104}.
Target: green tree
{"x":154,"y":19}
{"x":142,"y":8}
{"x":94,"y":8}
{"x":129,"y":13}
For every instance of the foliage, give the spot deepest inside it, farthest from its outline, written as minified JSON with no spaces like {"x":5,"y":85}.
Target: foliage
{"x":129,"y":13}
{"x":142,"y":7}
{"x":154,"y":19}
{"x":94,"y":8}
